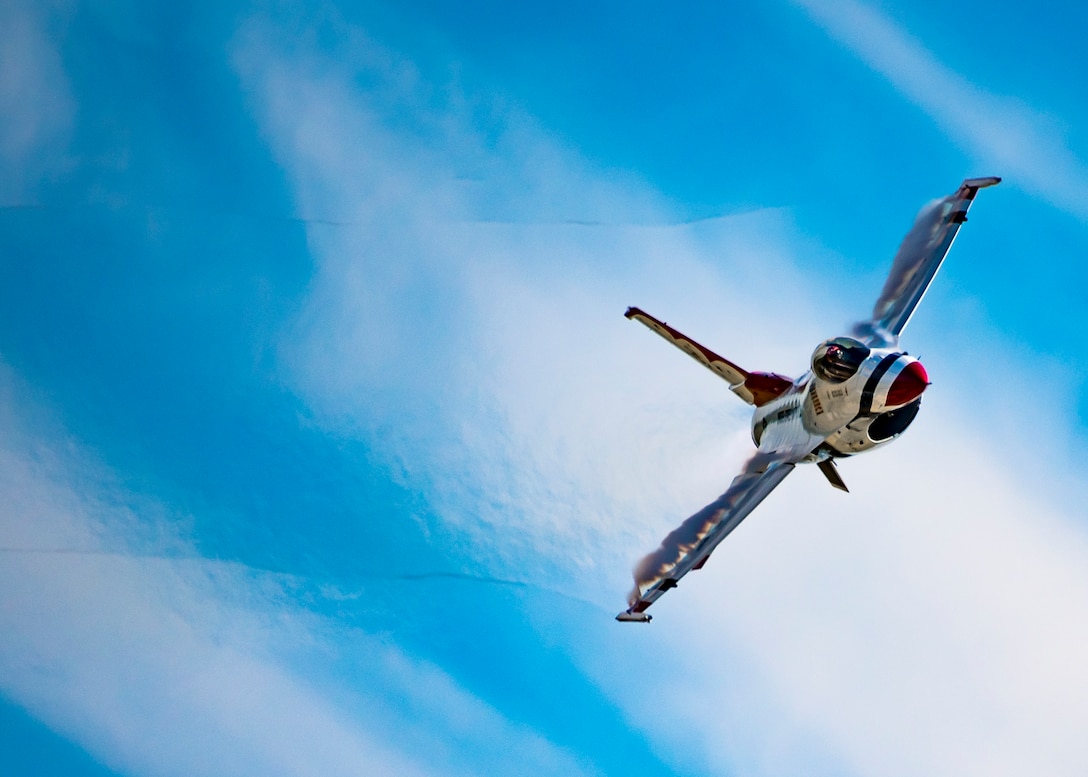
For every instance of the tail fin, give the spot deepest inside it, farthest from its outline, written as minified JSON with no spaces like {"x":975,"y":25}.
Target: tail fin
{"x":831,"y":472}
{"x":755,"y":388}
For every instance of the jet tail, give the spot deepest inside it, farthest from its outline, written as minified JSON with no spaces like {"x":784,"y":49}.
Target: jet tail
{"x":755,"y":388}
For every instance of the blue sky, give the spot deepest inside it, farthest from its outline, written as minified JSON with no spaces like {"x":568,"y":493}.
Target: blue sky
{"x":325,"y":447}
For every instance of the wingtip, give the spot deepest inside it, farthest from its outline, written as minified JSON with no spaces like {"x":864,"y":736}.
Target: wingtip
{"x":632,"y":311}
{"x":981,"y":183}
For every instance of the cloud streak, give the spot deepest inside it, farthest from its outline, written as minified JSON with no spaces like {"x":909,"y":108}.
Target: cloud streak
{"x":1002,"y":132}
{"x":36,"y":104}
{"x":162,"y":665}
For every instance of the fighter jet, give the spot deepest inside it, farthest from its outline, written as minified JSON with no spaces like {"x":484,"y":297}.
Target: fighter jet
{"x":861,"y":392}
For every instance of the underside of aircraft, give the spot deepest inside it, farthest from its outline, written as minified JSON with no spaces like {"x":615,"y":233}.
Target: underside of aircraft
{"x":861,"y":392}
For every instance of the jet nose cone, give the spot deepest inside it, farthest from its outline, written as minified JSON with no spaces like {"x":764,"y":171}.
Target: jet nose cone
{"x":908,"y":384}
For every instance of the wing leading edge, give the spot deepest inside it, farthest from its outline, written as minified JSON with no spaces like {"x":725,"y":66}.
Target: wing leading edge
{"x":755,"y":388}
{"x":916,"y":263}
{"x":689,"y":546}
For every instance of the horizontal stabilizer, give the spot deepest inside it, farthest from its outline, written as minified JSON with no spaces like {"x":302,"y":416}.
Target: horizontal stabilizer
{"x":755,"y":388}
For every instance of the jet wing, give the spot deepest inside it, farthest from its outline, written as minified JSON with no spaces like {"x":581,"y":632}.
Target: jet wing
{"x":690,"y":545}
{"x":755,"y":388}
{"x":917,"y":262}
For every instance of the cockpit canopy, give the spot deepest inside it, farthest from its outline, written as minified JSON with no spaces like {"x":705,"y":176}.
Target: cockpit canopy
{"x":839,"y":360}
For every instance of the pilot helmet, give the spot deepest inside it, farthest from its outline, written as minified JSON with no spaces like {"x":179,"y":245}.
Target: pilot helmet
{"x":838,"y":360}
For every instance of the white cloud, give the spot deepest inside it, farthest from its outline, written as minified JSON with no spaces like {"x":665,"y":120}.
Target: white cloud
{"x":927,"y":623}
{"x":36,"y":105}
{"x":422,"y":323}
{"x":1008,"y":136}
{"x":159,"y":662}
{"x":924,"y":624}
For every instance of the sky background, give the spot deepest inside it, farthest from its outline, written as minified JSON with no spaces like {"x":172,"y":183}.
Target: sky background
{"x":325,"y":447}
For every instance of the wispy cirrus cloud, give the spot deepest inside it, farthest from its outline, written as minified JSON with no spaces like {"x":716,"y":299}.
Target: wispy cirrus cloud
{"x":517,"y":296}
{"x":36,"y":104}
{"x":1004,"y":133}
{"x":120,"y":636}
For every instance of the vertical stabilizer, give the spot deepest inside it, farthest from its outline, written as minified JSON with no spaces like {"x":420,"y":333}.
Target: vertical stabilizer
{"x":831,"y":472}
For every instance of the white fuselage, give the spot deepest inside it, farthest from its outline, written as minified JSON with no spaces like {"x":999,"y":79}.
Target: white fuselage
{"x":843,"y":417}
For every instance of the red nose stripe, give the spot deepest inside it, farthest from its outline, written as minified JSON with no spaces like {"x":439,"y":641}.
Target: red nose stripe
{"x":908,"y":385}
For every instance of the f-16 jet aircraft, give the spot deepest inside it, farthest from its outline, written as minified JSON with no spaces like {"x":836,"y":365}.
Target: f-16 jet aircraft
{"x":862,"y":392}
